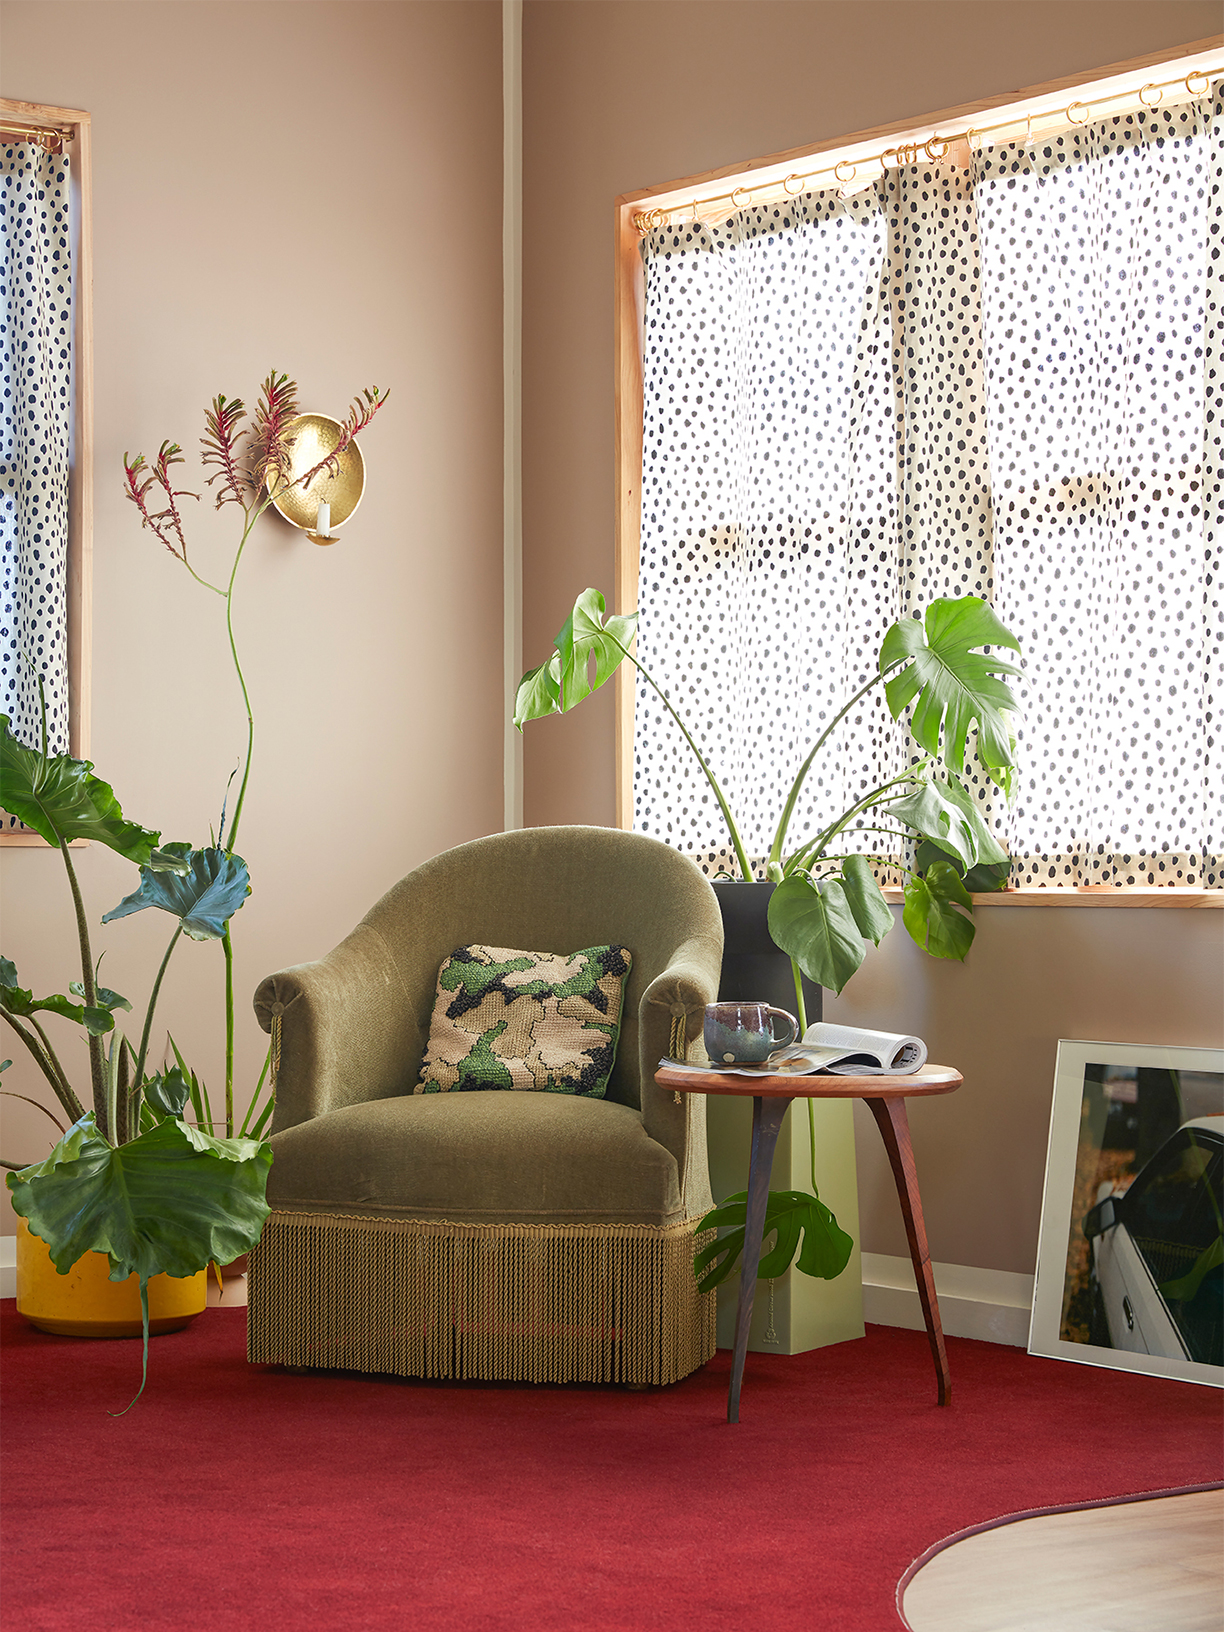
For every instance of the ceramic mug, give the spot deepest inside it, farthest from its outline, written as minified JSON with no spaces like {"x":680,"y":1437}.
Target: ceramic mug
{"x":742,"y":1033}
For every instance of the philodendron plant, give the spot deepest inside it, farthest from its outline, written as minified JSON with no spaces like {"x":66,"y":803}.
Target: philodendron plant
{"x":130,"y":1177}
{"x":827,"y":902}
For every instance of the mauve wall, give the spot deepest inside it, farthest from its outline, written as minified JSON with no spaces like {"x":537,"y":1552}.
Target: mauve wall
{"x":282,"y":185}
{"x":621,"y":95}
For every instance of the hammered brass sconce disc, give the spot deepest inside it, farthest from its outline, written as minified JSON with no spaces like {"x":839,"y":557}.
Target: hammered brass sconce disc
{"x":310,"y":438}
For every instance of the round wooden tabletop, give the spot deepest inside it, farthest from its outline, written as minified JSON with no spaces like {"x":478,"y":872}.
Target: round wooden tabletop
{"x":931,"y":1079}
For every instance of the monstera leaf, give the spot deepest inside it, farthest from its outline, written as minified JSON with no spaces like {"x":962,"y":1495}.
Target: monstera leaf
{"x":171,"y":1201}
{"x":96,"y":1019}
{"x":589,"y":637}
{"x":60,"y":798}
{"x":825,"y":1251}
{"x":930,"y":913}
{"x":204,"y":896}
{"x":816,"y":925}
{"x":950,"y":685}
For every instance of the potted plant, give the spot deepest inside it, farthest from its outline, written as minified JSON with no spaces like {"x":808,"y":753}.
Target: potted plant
{"x":130,"y":1177}
{"x":822,"y":897}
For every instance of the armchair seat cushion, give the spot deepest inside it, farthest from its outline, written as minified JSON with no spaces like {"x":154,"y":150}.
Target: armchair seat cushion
{"x":478,"y":1158}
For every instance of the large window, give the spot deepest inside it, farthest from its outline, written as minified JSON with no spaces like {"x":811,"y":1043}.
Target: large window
{"x":45,"y":428}
{"x":992,"y":370}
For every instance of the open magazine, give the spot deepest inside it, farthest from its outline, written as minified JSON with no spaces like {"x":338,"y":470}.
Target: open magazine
{"x":844,"y":1050}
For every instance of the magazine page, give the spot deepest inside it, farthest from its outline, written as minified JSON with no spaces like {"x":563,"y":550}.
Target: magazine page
{"x":869,"y":1053}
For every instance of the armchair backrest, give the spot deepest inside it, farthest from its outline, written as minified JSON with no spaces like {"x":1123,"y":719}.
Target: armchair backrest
{"x":552,"y":889}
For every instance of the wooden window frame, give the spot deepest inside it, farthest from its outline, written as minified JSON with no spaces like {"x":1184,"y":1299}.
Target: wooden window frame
{"x":75,"y":125}
{"x":629,"y":338}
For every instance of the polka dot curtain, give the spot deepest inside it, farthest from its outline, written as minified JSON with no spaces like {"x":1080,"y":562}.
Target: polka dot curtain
{"x":35,"y":439}
{"x":993,"y":382}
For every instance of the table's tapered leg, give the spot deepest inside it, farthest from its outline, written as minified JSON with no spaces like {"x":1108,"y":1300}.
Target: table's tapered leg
{"x":893,"y":1122}
{"x":767,"y":1117}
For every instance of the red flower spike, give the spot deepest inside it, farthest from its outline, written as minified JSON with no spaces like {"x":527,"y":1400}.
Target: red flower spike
{"x":269,"y":452}
{"x":358,"y":417}
{"x":221,"y":444}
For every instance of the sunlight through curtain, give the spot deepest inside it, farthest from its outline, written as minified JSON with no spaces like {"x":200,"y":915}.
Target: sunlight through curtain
{"x":994,"y":382}
{"x":35,"y":438}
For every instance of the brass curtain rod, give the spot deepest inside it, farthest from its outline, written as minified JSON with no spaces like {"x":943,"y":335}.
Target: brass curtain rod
{"x":1197,"y":84}
{"x":51,"y":137}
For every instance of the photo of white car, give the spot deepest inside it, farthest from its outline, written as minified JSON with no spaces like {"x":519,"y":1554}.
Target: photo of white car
{"x":1157,"y":1265}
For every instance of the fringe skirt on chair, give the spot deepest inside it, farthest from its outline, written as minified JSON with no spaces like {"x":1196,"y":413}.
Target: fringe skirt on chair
{"x":543,"y":1303}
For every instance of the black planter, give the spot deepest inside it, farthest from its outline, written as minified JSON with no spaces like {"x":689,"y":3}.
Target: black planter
{"x":753,"y":970}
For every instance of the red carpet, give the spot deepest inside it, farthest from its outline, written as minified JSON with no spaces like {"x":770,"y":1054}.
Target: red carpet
{"x":235,"y":1497}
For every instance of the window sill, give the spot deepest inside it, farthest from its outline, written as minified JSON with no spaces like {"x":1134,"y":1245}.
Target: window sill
{"x":1091,"y":895}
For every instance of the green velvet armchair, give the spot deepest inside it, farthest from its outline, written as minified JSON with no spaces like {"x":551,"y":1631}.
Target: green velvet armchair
{"x":517,"y":1235}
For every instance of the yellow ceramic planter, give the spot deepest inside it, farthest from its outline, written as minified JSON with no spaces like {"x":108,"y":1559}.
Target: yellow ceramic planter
{"x":87,"y":1303}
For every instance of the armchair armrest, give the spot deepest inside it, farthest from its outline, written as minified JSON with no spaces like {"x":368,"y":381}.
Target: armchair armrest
{"x":349,"y":1031}
{"x":682,"y":991}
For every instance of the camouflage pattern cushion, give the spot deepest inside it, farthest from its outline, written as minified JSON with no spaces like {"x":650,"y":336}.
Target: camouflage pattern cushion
{"x":542,"y":1021}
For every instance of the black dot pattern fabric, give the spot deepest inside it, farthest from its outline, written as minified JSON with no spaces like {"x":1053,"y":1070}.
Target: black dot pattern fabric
{"x":35,"y":439}
{"x":1001,"y":382}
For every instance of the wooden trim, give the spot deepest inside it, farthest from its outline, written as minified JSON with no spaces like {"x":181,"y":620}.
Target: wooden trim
{"x":679,"y":192}
{"x":630,"y":313}
{"x":78,"y":145}
{"x":25,"y":840}
{"x":1089,"y":895}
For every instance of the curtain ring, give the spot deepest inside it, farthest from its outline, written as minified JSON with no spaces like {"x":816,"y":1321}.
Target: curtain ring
{"x":735,"y":198}
{"x":1197,"y":73}
{"x":657,"y":219}
{"x":1150,"y":101}
{"x":696,"y":217}
{"x":845,"y":164}
{"x":943,"y":145}
{"x":974,"y":140}
{"x":1071,"y":113}
{"x":786,"y":185}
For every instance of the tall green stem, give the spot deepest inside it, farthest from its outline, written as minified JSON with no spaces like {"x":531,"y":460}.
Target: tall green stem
{"x":227,"y":946}
{"x":229,"y":625}
{"x":148,"y":1021}
{"x":814,"y":848}
{"x":741,"y":855}
{"x":775,"y":852}
{"x":96,"y":1072}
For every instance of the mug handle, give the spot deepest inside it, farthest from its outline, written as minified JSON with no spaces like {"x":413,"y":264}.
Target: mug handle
{"x":783,"y":1042}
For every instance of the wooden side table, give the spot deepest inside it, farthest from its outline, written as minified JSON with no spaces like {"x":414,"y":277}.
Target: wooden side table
{"x":771,"y":1096}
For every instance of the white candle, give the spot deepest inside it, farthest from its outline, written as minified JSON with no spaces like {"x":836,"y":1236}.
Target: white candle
{"x":323,"y":519}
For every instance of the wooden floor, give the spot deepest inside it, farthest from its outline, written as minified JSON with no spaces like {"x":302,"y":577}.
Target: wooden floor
{"x":1154,"y":1566}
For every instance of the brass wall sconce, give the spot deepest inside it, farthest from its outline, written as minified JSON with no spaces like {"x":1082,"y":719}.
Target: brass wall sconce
{"x":327,"y":501}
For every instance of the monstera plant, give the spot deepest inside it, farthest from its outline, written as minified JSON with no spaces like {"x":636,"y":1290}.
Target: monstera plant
{"x":130,"y":1177}
{"x":827,"y":903}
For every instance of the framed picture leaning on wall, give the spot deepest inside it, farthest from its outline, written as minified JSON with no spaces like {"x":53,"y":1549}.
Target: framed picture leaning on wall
{"x":1130,"y":1259}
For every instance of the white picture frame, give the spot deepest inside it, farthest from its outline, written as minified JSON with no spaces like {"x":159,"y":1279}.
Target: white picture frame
{"x":1097,"y":1299}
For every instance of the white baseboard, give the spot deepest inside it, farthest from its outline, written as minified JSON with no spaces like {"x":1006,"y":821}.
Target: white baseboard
{"x":992,"y":1305}
{"x":989,"y":1304}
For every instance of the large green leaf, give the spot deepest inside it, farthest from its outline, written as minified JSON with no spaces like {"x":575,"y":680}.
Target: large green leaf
{"x":539,"y":692}
{"x":60,"y":798}
{"x":826,"y":1246}
{"x":588,"y":637}
{"x":19,"y":1002}
{"x":865,"y":899}
{"x":203,"y":898}
{"x":171,"y":1201}
{"x":814,"y":924}
{"x":937,"y":818}
{"x":930,"y":912}
{"x":984,"y":879}
{"x":950,"y":685}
